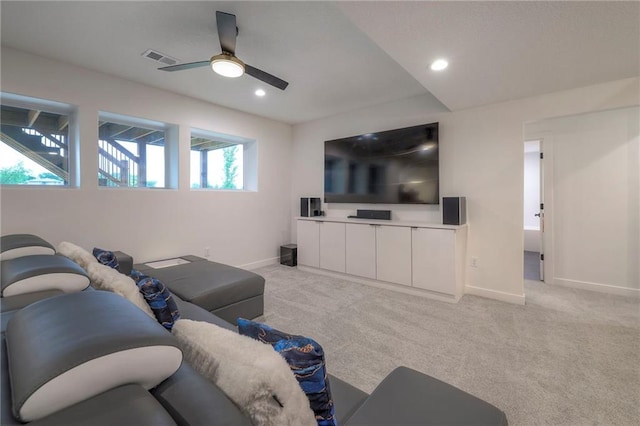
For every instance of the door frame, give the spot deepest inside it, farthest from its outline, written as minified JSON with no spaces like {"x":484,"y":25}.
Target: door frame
{"x":541,"y":210}
{"x":546,"y":198}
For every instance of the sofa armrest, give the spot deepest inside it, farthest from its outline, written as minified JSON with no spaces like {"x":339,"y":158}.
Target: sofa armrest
{"x":19,"y":301}
{"x":193,"y":400}
{"x":125,"y":261}
{"x":127,"y":404}
{"x":408,"y":397}
{"x":347,"y":398}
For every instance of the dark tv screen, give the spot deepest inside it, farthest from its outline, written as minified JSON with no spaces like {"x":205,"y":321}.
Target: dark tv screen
{"x":391,"y":167}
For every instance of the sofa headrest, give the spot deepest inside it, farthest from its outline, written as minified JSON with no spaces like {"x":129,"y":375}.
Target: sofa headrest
{"x":18,"y":245}
{"x":69,"y":348}
{"x":29,"y":274}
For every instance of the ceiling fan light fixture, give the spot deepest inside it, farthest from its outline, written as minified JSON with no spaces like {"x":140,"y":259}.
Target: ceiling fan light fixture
{"x":227,"y":65}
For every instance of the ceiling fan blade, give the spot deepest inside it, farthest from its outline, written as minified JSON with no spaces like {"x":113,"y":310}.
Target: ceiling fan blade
{"x":227,"y":31}
{"x":190,"y":65}
{"x":266,"y":77}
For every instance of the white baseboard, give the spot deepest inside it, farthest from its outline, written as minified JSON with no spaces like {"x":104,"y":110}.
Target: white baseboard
{"x":259,"y":263}
{"x":600,"y":288}
{"x":517,"y":299}
{"x":382,"y":284}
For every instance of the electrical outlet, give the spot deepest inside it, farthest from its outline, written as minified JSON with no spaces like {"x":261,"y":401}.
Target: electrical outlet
{"x":474,"y":262}
{"x":206,"y":252}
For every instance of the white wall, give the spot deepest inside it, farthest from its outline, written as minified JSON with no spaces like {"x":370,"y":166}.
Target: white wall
{"x":241,"y":228}
{"x":593,"y":199}
{"x":481,"y":158}
{"x":308,"y":152}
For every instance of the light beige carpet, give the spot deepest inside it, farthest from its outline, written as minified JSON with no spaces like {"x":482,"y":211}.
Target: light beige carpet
{"x":568,"y":357}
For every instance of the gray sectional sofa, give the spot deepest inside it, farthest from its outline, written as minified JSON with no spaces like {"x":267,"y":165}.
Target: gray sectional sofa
{"x":51,"y":337}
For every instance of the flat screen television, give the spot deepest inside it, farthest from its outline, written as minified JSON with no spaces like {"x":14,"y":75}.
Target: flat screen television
{"x":391,"y":167}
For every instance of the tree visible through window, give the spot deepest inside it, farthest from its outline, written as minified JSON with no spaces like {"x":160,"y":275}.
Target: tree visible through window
{"x":230,"y":167}
{"x":34,"y":147}
{"x":216,"y":164}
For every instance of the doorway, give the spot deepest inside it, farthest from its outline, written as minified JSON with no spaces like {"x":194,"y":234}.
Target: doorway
{"x":533,"y":211}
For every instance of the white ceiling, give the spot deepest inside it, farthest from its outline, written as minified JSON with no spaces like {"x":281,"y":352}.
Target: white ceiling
{"x":501,"y":51}
{"x":343,"y":56}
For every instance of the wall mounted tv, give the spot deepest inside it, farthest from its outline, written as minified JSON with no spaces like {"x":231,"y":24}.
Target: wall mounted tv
{"x":391,"y":167}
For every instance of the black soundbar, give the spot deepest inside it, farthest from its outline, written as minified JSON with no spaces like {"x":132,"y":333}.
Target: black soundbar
{"x":372,"y":214}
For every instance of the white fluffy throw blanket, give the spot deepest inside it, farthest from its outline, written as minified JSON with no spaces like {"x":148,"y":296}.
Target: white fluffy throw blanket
{"x":250,"y":372}
{"x":108,"y":279}
{"x":77,"y":254}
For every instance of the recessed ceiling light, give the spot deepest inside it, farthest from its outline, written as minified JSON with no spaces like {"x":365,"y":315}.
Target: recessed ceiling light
{"x":260,"y":92}
{"x":439,"y":64}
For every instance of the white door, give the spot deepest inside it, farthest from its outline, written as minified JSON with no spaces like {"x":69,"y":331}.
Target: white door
{"x":433,"y":259}
{"x":332,"y":246}
{"x":361,"y":250}
{"x":393,"y":254}
{"x":308,"y":243}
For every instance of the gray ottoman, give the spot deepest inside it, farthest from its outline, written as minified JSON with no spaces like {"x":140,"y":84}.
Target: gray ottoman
{"x":223,"y":290}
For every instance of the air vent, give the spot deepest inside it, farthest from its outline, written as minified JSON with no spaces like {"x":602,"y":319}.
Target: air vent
{"x":154,"y":55}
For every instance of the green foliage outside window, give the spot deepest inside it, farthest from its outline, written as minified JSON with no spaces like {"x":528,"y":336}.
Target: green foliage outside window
{"x":18,"y":174}
{"x":230,"y":167}
{"x":15,"y":175}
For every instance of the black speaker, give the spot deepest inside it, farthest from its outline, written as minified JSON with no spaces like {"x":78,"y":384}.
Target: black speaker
{"x":310,"y":207}
{"x":304,"y":207}
{"x":374,"y":214}
{"x":454,"y":210}
{"x":289,"y":255}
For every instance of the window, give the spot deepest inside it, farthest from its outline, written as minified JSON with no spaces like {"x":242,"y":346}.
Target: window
{"x":34,"y":142}
{"x":220,"y":161}
{"x":132,"y":152}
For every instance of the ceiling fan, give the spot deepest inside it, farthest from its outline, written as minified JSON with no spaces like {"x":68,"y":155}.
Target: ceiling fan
{"x":226,"y":63}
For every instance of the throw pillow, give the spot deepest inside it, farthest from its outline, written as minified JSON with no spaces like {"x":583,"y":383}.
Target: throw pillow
{"x":108,"y":279}
{"x":158,"y":297}
{"x":106,"y":257}
{"x":306,"y":359}
{"x":77,"y":254}
{"x":252,"y":374}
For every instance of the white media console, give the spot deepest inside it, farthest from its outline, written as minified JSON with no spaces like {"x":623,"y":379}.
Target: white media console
{"x":418,"y":258}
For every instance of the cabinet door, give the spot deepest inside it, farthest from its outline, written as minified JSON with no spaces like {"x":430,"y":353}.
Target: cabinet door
{"x":434,"y":259}
{"x":332,"y":246}
{"x":308,"y":243}
{"x":393,"y":254}
{"x":361,"y":250}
